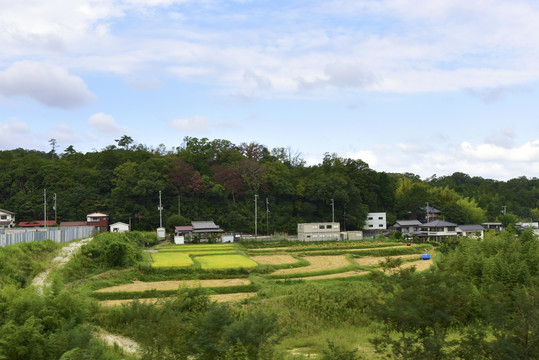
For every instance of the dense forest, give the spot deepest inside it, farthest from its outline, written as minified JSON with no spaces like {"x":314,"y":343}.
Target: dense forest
{"x":217,"y":180}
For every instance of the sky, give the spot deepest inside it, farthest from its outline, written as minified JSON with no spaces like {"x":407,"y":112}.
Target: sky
{"x":426,"y":87}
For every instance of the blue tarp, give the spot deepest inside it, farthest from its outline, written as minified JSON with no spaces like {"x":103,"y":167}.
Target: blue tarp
{"x":425,"y":257}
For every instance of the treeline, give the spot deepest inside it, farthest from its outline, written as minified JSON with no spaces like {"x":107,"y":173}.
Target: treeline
{"x":218,"y":180}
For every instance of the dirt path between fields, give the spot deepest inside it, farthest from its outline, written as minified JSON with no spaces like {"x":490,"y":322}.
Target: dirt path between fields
{"x":127,"y":345}
{"x":65,"y":254}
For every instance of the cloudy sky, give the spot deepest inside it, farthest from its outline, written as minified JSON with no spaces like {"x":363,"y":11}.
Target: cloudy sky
{"x":428,"y":87}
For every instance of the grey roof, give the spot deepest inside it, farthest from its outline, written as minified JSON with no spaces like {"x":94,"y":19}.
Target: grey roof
{"x":7,"y":212}
{"x":473,"y":227}
{"x":407,"y":223}
{"x":205,"y":226}
{"x":431,"y":210}
{"x":438,"y":223}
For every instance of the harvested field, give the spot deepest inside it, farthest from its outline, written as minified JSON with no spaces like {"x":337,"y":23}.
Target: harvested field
{"x":420,"y":265}
{"x":317,"y":263}
{"x":278,"y":259}
{"x":375,"y":260}
{"x":173,"y":285}
{"x":356,"y":249}
{"x":217,"y":298}
{"x":335,"y":276}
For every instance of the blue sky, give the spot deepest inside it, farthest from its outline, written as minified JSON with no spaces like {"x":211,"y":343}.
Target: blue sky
{"x":405,"y":85}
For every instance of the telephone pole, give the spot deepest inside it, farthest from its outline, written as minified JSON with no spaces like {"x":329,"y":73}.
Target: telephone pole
{"x":44,"y":207}
{"x":267,"y":216}
{"x":256,"y":215}
{"x":332,"y":210}
{"x":54,"y":208}
{"x":160,"y":208}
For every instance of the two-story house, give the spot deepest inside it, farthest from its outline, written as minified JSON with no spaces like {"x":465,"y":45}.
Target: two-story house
{"x":7,"y":219}
{"x":439,"y":230}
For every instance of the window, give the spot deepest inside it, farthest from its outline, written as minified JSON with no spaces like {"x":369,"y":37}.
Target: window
{"x":321,"y":226}
{"x":380,"y":225}
{"x":369,"y":218}
{"x":371,"y":225}
{"x":3,"y":217}
{"x":380,"y":218}
{"x":328,"y":226}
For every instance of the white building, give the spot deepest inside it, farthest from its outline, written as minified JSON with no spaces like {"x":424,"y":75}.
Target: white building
{"x":7,"y":219}
{"x":375,"y":221}
{"x":119,"y":227}
{"x":322,"y":231}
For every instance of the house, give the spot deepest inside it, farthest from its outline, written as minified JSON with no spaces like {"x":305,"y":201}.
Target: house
{"x":181,"y":232}
{"x":473,"y":231}
{"x":206,"y":229}
{"x":36,"y":223}
{"x":431,"y":212}
{"x":99,"y":220}
{"x":407,"y":226}
{"x":438,"y":230}
{"x":375,"y":221}
{"x":321,"y":231}
{"x":119,"y":227}
{"x":7,"y":219}
{"x":492,"y":225}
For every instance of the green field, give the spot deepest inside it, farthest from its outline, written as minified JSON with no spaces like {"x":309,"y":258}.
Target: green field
{"x":225,"y":262}
{"x":171,"y":259}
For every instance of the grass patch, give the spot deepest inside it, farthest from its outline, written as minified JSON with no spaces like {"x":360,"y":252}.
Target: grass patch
{"x":225,"y":262}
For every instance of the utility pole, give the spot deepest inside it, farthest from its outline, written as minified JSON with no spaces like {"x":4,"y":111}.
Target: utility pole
{"x":256,"y":215}
{"x":44,"y":207}
{"x":504,"y":209}
{"x":54,"y":208}
{"x":179,"y":206}
{"x":427,"y":208}
{"x":267,"y":216}
{"x":332,"y":210}
{"x":160,"y":208}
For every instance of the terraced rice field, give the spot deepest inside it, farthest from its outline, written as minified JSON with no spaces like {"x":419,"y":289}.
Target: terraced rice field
{"x":217,"y":298}
{"x":171,"y":259}
{"x":173,"y":285}
{"x":277,"y":259}
{"x":234,"y":261}
{"x":317,"y":263}
{"x":375,"y":260}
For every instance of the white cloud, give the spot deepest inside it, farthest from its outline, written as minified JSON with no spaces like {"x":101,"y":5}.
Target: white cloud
{"x":50,"y":85}
{"x":485,"y":160}
{"x":64,"y":135}
{"x":366,"y":155}
{"x":106,"y":124}
{"x":14,"y":134}
{"x":197,"y":123}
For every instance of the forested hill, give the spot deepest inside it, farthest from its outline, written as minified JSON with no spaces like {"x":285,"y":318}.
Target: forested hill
{"x":217,"y":180}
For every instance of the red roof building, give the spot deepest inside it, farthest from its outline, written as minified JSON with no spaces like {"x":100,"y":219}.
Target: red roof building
{"x":36,"y":223}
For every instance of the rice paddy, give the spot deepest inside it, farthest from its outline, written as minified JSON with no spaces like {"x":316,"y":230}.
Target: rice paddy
{"x":212,"y":262}
{"x":218,"y":257}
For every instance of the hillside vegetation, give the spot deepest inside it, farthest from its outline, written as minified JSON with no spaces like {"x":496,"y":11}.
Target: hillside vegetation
{"x":217,"y":180}
{"x":335,"y":300}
